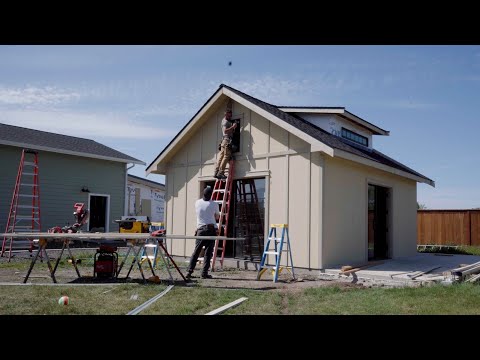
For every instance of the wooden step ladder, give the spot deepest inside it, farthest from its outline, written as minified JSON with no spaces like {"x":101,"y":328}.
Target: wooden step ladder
{"x":277,"y":251}
{"x":248,"y":219}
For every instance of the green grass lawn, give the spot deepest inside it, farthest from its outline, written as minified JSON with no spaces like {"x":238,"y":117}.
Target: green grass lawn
{"x":120,"y":299}
{"x":463,"y":250}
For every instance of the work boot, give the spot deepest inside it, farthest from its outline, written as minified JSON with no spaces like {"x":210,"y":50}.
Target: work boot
{"x":221,"y":176}
{"x":189,"y":275}
{"x":207,"y":276}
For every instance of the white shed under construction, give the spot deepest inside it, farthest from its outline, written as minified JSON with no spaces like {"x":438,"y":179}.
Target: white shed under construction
{"x":315,"y":168}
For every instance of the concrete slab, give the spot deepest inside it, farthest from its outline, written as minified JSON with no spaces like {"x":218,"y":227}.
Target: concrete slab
{"x":400,"y":269}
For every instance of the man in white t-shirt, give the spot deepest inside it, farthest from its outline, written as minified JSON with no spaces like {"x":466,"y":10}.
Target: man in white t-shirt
{"x":207,"y":217}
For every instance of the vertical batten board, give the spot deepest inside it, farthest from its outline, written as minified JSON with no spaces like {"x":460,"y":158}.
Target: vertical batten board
{"x":259,"y":134}
{"x":201,"y":151}
{"x":194,"y":148}
{"x":186,"y":200}
{"x":285,"y":259}
{"x":278,"y":191}
{"x":210,"y":139}
{"x":299,"y":209}
{"x":249,"y":151}
{"x":179,"y":194}
{"x":315,"y":210}
{"x":309,"y":217}
{"x":170,"y":204}
{"x":278,"y":139}
{"x":323,"y":207}
{"x":192,"y":196}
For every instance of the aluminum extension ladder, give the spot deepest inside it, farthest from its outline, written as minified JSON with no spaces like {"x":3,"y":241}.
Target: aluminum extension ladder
{"x":277,"y":251}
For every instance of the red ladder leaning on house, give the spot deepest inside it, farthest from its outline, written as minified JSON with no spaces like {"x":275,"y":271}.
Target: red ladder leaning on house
{"x":24,"y":215}
{"x":222,"y":195}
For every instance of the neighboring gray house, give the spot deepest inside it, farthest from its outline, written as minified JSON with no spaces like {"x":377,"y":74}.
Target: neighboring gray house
{"x":344,"y":201}
{"x":71,"y":170}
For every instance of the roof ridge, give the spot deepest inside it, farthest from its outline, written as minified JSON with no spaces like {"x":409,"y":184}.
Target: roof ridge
{"x":48,"y":132}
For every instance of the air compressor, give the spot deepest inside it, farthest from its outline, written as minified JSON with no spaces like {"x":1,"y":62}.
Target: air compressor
{"x":105,"y":262}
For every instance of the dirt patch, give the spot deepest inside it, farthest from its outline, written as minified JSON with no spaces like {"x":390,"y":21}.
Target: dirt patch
{"x":226,"y":278}
{"x":233,"y":278}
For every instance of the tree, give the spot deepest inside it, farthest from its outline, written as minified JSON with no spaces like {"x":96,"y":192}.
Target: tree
{"x":421,"y":206}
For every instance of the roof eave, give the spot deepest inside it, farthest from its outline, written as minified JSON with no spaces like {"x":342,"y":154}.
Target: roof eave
{"x":339,"y":111}
{"x":68,"y":152}
{"x":352,"y":157}
{"x":156,"y":164}
{"x":375,"y":129}
{"x":316,"y":145}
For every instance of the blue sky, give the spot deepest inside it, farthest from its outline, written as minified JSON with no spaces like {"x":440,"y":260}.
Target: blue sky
{"x":135,"y":99}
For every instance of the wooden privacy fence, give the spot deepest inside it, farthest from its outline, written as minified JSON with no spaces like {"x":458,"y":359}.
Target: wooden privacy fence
{"x":448,"y":227}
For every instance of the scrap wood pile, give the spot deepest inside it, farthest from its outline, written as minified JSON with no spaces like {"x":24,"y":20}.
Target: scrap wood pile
{"x":467,"y":273}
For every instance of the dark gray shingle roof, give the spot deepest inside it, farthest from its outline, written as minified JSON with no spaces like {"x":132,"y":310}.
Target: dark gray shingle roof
{"x":36,"y":138}
{"x":325,"y":137}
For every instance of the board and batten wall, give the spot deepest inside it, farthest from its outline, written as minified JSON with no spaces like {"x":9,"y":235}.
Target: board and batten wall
{"x":345,"y":237}
{"x":293,"y":178}
{"x":61,"y":178}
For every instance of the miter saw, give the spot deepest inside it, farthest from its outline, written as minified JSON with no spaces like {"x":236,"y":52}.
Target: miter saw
{"x":81,"y":216}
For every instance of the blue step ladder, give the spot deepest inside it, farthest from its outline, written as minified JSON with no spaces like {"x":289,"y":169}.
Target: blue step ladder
{"x":277,"y":251}
{"x":152,"y":244}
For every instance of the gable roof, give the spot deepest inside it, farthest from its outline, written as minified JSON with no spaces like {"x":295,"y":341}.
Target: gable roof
{"x":63,"y":144}
{"x":320,"y":139}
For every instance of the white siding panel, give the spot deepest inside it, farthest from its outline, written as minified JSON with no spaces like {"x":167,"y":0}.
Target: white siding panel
{"x":209,"y":139}
{"x":193,"y":194}
{"x":298,"y":209}
{"x":259,"y":134}
{"x":278,"y":139}
{"x":179,"y":210}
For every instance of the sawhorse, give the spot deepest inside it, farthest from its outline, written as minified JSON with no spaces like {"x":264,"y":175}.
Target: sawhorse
{"x":136,"y":246}
{"x":42,"y":244}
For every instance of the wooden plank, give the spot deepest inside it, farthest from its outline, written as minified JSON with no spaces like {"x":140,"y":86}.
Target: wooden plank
{"x":424,"y":272}
{"x":149,"y":302}
{"x":226,"y":307}
{"x":109,"y":236}
{"x":362,"y":267}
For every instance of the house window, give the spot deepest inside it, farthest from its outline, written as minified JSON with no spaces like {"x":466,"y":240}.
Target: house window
{"x":350,"y":135}
{"x":236,"y":137}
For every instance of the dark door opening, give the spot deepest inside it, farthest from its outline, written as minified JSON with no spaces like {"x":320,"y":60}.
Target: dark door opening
{"x":98,"y":213}
{"x":377,"y":222}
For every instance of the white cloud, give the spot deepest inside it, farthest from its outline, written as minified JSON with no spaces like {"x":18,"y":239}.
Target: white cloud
{"x":409,"y":104}
{"x":88,"y":125}
{"x":36,"y":96}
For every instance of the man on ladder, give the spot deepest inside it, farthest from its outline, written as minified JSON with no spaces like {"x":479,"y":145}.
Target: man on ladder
{"x":228,"y":128}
